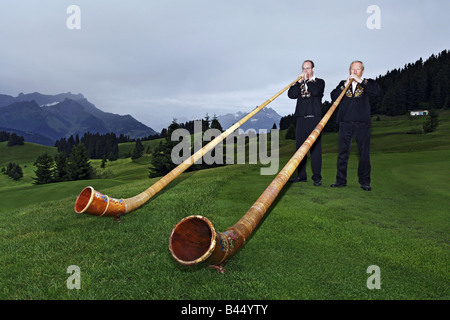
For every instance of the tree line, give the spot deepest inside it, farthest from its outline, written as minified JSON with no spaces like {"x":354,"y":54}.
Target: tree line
{"x":416,"y":86}
{"x":12,"y":138}
{"x":97,"y":146}
{"x":13,"y":170}
{"x":59,"y":168}
{"x":161,"y":157}
{"x":62,"y":168}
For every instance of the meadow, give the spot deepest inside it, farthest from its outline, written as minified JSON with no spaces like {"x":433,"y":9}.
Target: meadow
{"x":313,"y":243}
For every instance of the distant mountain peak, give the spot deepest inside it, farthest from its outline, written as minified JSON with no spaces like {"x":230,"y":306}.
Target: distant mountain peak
{"x":62,"y":115}
{"x":264,"y":119}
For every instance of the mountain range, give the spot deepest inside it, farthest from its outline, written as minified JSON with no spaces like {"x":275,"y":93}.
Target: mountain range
{"x":43,"y":119}
{"x":264,"y":119}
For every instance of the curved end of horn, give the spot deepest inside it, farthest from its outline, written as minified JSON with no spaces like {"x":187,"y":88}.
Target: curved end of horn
{"x":93,"y":202}
{"x":194,"y":240}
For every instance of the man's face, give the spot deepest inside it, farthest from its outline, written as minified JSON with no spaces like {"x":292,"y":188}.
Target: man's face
{"x":308,"y":69}
{"x":357,"y":69}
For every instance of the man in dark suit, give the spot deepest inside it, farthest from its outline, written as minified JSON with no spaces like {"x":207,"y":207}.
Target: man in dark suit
{"x":353,"y":118}
{"x":309,"y":92}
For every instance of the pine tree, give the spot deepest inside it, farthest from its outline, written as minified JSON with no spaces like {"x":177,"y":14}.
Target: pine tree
{"x":215,"y":124}
{"x":17,"y":174}
{"x":112,"y":156}
{"x":161,"y":160}
{"x":138,"y":150}
{"x":79,"y":167}
{"x":431,"y":121}
{"x":44,"y":172}
{"x":103,"y":165}
{"x":13,"y":170}
{"x":162,"y":155}
{"x":4,"y":136}
{"x":61,"y":170}
{"x":205,"y":123}
{"x":15,"y":140}
{"x":388,"y":105}
{"x":290,"y":133}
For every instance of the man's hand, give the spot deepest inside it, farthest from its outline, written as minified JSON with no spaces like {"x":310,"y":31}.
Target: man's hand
{"x":303,"y":75}
{"x":355,"y":77}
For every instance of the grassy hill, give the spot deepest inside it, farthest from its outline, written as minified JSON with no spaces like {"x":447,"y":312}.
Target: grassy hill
{"x":313,"y":243}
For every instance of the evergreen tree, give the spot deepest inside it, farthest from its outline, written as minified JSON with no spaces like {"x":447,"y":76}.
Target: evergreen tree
{"x":4,"y":136}
{"x":290,"y":133}
{"x":161,"y":160}
{"x":79,"y":167}
{"x":112,"y":156}
{"x":15,"y":140}
{"x":205,"y":123}
{"x":61,"y":167}
{"x":138,"y":150}
{"x":162,"y":155}
{"x":44,"y":173}
{"x":13,"y":170}
{"x":103,"y":165}
{"x":417,"y":85}
{"x":286,"y":121}
{"x":431,"y":121}
{"x":215,"y":124}
{"x":63,"y":146}
{"x":388,"y":104}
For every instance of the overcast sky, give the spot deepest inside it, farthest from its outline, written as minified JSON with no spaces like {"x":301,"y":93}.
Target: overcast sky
{"x":164,"y":59}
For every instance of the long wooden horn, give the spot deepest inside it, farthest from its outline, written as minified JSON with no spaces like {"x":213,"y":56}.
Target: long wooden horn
{"x":93,"y":202}
{"x":194,"y":239}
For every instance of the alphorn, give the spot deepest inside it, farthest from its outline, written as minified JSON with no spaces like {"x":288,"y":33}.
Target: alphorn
{"x":92,"y":202}
{"x":194,"y":240}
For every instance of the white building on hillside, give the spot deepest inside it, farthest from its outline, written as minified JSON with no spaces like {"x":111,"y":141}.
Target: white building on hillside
{"x":418,"y":112}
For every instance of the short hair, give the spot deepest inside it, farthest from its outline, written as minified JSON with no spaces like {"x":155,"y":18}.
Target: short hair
{"x":356,"y":61}
{"x":312,"y":63}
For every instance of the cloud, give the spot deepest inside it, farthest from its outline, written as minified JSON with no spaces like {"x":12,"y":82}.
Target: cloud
{"x":157,"y":60}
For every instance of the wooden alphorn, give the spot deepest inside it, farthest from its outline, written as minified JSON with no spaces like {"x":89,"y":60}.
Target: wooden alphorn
{"x":194,"y":240}
{"x":92,"y":202}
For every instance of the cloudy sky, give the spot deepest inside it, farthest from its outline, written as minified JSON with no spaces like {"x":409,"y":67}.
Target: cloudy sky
{"x":164,"y":59}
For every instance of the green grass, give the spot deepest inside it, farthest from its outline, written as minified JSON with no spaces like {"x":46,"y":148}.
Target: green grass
{"x":313,"y":243}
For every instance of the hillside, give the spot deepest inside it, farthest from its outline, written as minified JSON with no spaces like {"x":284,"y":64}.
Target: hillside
{"x":313,"y":243}
{"x":418,"y":85}
{"x":389,"y":134}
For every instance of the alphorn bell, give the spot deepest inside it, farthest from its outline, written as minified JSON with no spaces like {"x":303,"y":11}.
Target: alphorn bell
{"x":194,"y":240}
{"x":92,"y":202}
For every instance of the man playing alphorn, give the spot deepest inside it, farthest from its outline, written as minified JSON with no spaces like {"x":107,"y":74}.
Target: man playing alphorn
{"x":353,"y":118}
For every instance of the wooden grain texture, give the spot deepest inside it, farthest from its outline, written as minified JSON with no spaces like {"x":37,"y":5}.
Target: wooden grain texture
{"x":119,"y":207}
{"x":235,"y":237}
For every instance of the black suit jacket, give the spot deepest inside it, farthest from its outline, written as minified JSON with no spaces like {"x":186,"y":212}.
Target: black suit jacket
{"x":355,"y":106}
{"x":311,"y":105}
